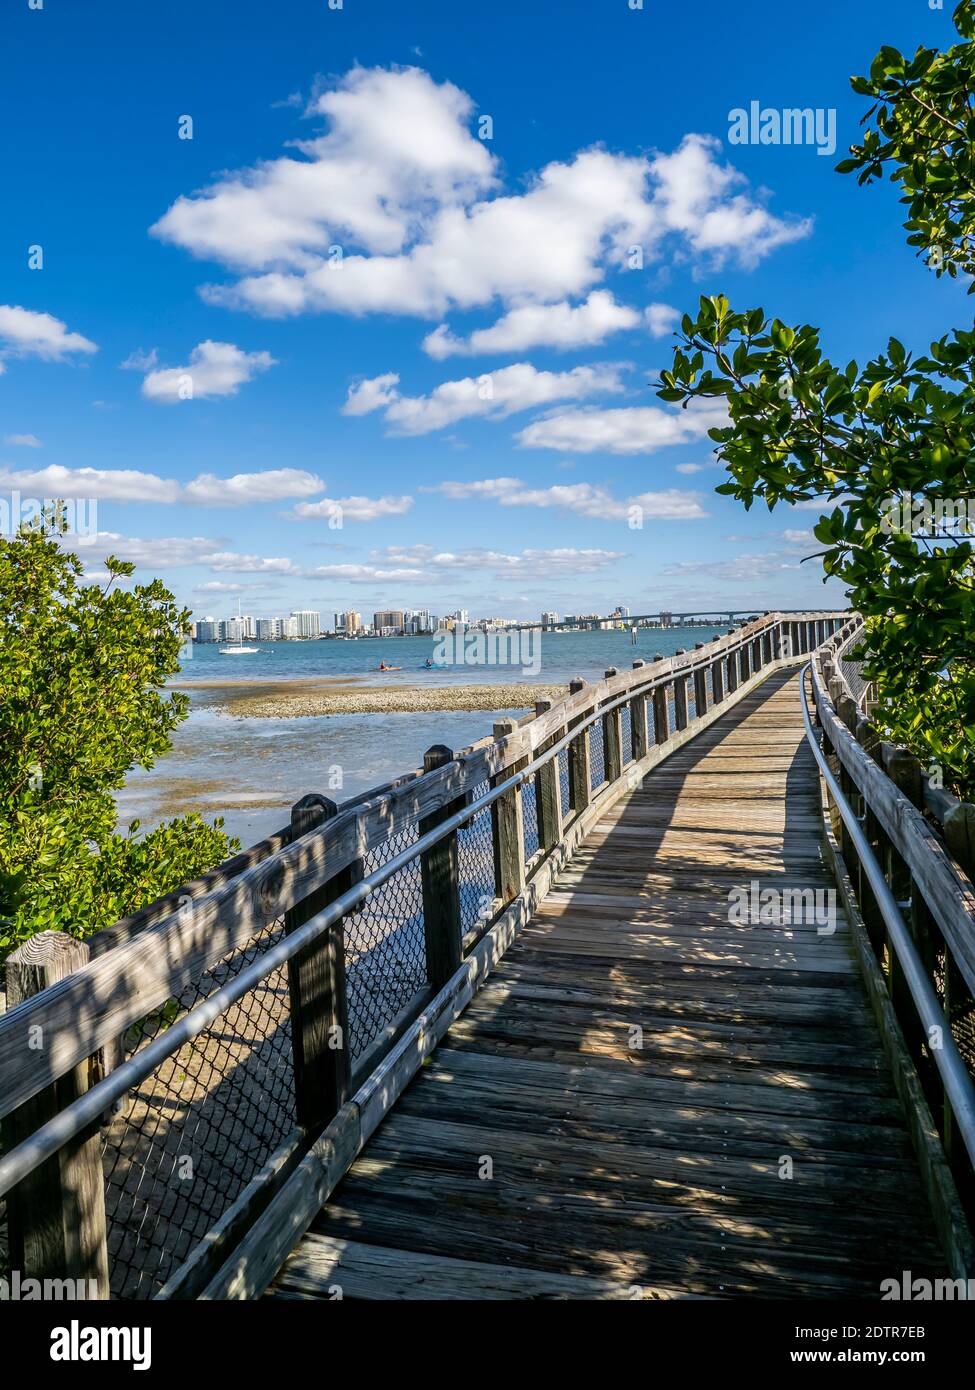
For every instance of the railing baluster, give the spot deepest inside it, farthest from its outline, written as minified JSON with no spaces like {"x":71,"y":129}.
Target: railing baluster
{"x":548,"y":789}
{"x":680,"y":696}
{"x":639,"y":742}
{"x":508,"y":826}
{"x":579,"y":770}
{"x":613,"y":738}
{"x":317,"y":988}
{"x":440,"y":882}
{"x":56,"y":1215}
{"x":717,"y":680}
{"x":700,"y":686}
{"x":661,"y":719}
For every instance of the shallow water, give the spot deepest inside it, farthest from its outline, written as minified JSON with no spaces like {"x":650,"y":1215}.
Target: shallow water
{"x":251,"y":771}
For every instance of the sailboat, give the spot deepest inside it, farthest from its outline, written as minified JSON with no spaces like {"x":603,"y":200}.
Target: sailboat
{"x":239,"y":649}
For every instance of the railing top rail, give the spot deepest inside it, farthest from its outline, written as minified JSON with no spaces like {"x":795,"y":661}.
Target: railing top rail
{"x":91,"y":1006}
{"x":946,"y":888}
{"x":954,"y":1074}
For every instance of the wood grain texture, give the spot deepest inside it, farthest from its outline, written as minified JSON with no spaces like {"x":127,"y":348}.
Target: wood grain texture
{"x":649,"y":1098}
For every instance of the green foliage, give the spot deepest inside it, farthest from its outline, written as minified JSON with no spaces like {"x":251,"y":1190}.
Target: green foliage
{"x":924,"y":131}
{"x":82,"y":670}
{"x":802,"y":428}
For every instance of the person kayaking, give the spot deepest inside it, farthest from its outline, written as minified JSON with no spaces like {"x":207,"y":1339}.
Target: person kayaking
{"x":383,"y":667}
{"x":429,"y":661}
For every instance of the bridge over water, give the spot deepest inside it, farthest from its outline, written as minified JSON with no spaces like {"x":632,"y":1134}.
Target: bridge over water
{"x":662,"y":991}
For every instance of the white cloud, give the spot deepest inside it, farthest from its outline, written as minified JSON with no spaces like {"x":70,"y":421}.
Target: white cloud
{"x":584,"y":499}
{"x":23,"y":441}
{"x":27,"y":333}
{"x":366,"y":574}
{"x":269,"y":486}
{"x":398,"y":144}
{"x":215,"y":369}
{"x":499,"y":394}
{"x":689,"y":467}
{"x":559,"y":326}
{"x":130,"y":485}
{"x":628,"y":430}
{"x":531,"y":563}
{"x":660,"y":319}
{"x":372,"y":394}
{"x":102,"y":484}
{"x":351,"y":508}
{"x":742,"y":569}
{"x":411,"y":199}
{"x":696,"y":197}
{"x":140,"y":361}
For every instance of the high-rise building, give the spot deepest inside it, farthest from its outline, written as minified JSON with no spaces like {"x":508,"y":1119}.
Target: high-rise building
{"x":462,"y":616}
{"x":549,"y":619}
{"x":420,"y":621}
{"x":307,"y":622}
{"x":207,"y":630}
{"x":352,"y":622}
{"x":388,"y":620}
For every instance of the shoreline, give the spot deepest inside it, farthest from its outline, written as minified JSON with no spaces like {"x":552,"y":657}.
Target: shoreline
{"x":304,"y":699}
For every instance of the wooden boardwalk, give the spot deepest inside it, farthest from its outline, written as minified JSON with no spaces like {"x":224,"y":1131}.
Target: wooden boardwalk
{"x":748,"y":1143}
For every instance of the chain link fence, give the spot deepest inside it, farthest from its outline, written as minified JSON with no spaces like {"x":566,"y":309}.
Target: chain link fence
{"x":188,"y":1139}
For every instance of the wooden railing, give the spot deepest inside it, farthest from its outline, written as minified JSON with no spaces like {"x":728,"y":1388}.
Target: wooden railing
{"x":920,"y":836}
{"x":350,"y":1003}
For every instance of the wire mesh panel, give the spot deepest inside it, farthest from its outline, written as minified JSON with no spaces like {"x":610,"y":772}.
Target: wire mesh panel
{"x":529,"y":812}
{"x":691,"y":700}
{"x":385,"y":951}
{"x":851,"y":668}
{"x":189,"y":1138}
{"x":597,"y":760}
{"x":564,"y":782}
{"x":475,"y":854}
{"x":626,"y":726}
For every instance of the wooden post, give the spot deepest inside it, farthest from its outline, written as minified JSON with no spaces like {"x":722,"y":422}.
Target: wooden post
{"x":700,"y":687}
{"x":316,"y":984}
{"x":640,"y":742}
{"x":744,"y":657}
{"x":661,"y":721}
{"x":717,"y":681}
{"x":680,"y":696}
{"x":440,"y":882}
{"x":731,"y":666}
{"x":613,"y":738}
{"x":56,"y":1215}
{"x":548,"y":789}
{"x":579,"y":771}
{"x":508,"y":824}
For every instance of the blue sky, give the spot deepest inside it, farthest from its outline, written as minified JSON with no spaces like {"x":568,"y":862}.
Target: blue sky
{"x":470,"y":384}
